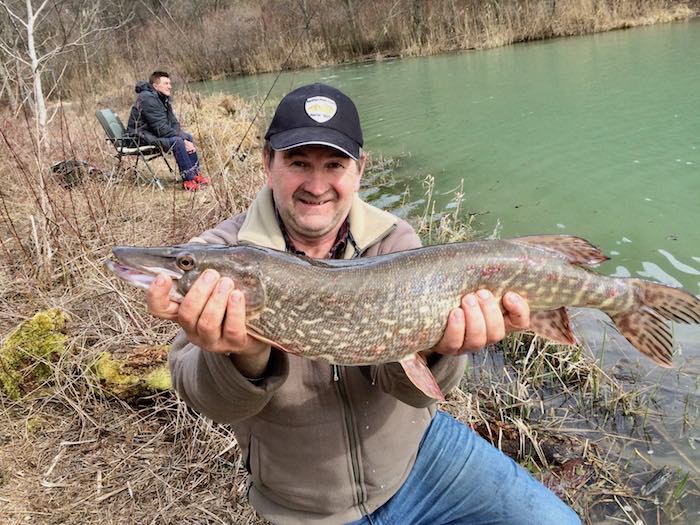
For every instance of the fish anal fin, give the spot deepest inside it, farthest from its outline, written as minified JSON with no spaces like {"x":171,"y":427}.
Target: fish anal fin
{"x":553,"y":325}
{"x":420,"y":375}
{"x":252,"y":332}
{"x":574,"y":249}
{"x":648,"y":332}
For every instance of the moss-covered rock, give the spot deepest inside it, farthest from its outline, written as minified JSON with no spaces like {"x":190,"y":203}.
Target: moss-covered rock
{"x":139,"y":372}
{"x":28,"y":352}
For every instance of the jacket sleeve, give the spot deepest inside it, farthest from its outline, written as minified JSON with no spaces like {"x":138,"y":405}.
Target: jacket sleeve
{"x":211,"y":384}
{"x":155,"y":117}
{"x":391,"y":377}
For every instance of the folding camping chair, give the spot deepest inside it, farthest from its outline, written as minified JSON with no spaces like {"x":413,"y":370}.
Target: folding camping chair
{"x":127,"y":146}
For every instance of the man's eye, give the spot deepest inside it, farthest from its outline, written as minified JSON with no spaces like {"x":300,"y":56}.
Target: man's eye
{"x":298,"y":163}
{"x":336,"y":166}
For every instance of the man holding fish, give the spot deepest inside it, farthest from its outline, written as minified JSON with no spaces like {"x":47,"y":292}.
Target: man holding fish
{"x":341,"y":444}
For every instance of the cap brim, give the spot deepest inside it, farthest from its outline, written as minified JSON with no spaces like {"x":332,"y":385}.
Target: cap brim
{"x":294,"y":138}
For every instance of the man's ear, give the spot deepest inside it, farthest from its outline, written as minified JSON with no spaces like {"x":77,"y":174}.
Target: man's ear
{"x":361,"y":168}
{"x":266,"y":166}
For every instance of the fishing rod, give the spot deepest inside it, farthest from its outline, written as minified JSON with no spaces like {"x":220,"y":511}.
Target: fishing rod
{"x":243,"y":156}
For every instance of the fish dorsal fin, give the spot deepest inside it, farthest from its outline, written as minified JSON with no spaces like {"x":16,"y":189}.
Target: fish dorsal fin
{"x":574,"y":249}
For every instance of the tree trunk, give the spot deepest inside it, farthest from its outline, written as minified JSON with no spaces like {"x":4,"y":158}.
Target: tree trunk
{"x":39,"y":101}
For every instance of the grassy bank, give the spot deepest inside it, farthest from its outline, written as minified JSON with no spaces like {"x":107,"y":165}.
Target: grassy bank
{"x":72,"y":453}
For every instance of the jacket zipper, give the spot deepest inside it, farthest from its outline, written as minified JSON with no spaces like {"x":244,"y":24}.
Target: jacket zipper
{"x":350,"y":428}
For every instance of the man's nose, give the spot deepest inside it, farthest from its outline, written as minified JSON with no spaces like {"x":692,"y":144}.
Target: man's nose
{"x":316,"y":183}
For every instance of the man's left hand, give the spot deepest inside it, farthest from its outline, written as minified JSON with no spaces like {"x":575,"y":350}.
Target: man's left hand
{"x":189,"y":146}
{"x":480,"y":322}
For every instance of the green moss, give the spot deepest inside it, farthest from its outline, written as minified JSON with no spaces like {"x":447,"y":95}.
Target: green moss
{"x":111,"y":372}
{"x":159,"y":379}
{"x":27,"y":354}
{"x":35,"y":424}
{"x":142,"y":372}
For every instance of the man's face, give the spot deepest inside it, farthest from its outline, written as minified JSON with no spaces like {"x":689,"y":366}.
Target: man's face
{"x":313,"y":187}
{"x":163,"y":85}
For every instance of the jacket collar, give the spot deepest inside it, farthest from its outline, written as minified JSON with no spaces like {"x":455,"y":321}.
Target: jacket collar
{"x":367,"y":224}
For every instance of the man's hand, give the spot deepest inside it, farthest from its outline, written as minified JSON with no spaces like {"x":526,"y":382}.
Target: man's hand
{"x":212,"y":314}
{"x":479,"y":322}
{"x":189,"y":146}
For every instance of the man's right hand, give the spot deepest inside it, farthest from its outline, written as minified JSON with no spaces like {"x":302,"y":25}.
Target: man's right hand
{"x":212,"y":314}
{"x":189,"y":146}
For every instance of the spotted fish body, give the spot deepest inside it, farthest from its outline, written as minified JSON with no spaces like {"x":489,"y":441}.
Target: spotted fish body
{"x":389,"y":307}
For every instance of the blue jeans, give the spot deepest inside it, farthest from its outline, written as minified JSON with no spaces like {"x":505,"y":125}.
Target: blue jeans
{"x":187,"y":163}
{"x":459,"y":478}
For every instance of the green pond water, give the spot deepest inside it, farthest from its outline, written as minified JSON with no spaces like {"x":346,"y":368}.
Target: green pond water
{"x":597,"y":136}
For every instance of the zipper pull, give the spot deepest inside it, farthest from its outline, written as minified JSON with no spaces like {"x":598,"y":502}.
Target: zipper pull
{"x":336,"y":373}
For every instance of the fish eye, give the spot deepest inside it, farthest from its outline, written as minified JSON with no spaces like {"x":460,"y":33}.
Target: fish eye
{"x":185,"y":262}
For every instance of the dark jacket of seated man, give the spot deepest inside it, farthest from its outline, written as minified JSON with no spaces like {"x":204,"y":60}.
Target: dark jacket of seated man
{"x":152,"y":118}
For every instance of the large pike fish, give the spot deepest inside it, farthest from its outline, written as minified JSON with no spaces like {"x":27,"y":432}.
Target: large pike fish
{"x":388,"y":308}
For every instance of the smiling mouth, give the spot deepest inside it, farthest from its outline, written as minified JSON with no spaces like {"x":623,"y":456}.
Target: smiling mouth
{"x":314,"y":203}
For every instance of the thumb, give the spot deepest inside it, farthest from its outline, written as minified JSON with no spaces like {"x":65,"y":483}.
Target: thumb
{"x":158,"y":300}
{"x":517,"y":312}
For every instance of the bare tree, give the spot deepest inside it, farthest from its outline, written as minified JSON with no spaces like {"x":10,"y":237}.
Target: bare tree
{"x":34,"y":34}
{"x":41,"y":34}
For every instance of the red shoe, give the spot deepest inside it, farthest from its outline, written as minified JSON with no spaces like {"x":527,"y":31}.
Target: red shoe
{"x":191,"y":185}
{"x":201,"y":179}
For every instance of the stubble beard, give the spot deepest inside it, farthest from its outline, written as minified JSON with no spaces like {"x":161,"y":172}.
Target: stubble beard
{"x":295,"y":221}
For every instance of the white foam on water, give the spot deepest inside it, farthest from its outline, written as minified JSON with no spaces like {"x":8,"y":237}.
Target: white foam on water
{"x":679,"y":265}
{"x":560,"y":226}
{"x":654,"y":271}
{"x":625,"y":239}
{"x":613,"y":252}
{"x":621,"y":271}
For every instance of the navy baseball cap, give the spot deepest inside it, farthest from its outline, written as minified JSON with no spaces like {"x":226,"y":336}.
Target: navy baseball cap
{"x":316,"y":114}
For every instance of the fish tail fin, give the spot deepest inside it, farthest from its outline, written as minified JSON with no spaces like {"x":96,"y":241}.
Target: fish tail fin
{"x":420,"y":375}
{"x":645,"y":324}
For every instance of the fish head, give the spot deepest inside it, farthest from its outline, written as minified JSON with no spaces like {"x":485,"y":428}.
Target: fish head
{"x":184,"y":264}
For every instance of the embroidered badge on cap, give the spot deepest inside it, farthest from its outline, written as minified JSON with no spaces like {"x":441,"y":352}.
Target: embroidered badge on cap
{"x":321,"y":109}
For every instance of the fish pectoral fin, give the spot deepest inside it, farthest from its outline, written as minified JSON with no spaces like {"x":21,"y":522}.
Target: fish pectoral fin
{"x":553,"y":325}
{"x":574,"y":249}
{"x":420,"y":375}
{"x":252,"y":332}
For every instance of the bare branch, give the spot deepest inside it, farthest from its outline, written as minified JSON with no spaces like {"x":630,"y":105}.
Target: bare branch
{"x":12,"y":15}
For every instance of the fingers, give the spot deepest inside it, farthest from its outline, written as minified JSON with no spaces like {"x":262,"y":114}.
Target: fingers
{"x":517,"y":312}
{"x":158,"y":301}
{"x":484,"y":321}
{"x":209,"y":324}
{"x":479,"y":322}
{"x":193,"y":304}
{"x":234,"y":330}
{"x":452,"y":339}
{"x":213,"y":316}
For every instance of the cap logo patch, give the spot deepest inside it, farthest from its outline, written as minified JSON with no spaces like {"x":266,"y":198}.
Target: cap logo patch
{"x":321,"y":109}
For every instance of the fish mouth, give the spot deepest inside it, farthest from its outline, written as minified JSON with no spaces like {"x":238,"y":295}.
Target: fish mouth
{"x":140,"y":268}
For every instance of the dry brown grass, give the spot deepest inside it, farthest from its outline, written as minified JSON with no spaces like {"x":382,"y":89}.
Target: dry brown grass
{"x":71,"y":454}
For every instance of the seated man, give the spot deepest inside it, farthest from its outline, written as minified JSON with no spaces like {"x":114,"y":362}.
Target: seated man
{"x":152,"y":120}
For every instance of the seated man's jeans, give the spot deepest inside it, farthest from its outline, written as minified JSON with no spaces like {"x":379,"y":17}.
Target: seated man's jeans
{"x":187,"y":163}
{"x":459,"y":478}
